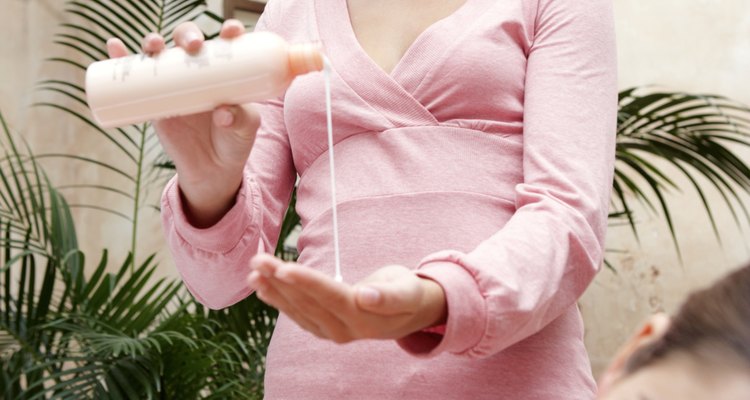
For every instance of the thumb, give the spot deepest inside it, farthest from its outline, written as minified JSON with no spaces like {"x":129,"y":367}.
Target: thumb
{"x":390,"y":290}
{"x":242,"y":120}
{"x":389,"y":298}
{"x":369,"y":297}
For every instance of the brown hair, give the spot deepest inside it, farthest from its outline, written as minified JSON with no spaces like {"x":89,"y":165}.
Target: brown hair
{"x":716,"y":318}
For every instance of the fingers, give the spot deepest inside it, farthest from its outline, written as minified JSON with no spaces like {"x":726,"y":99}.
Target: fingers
{"x":116,"y":48}
{"x":314,"y":284}
{"x":265,"y":264}
{"x":329,"y":308}
{"x":152,"y":44}
{"x":188,"y":36}
{"x":269,"y":295}
{"x":231,"y":28}
{"x":306,"y":311}
{"x":391,"y":290}
{"x":297,"y":304}
{"x":243,"y":120}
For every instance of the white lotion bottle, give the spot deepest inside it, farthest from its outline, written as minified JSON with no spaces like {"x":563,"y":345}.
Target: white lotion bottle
{"x":140,"y":88}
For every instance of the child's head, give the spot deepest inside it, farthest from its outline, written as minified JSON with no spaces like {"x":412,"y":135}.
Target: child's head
{"x":703,"y":352}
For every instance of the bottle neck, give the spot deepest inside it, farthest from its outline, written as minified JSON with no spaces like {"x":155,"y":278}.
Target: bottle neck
{"x":304,"y":58}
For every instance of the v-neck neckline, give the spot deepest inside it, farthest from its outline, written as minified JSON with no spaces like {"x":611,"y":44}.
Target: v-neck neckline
{"x":391,"y":94}
{"x":415,"y":45}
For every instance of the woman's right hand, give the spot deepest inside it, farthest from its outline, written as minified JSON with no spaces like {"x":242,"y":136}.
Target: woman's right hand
{"x":209,"y":149}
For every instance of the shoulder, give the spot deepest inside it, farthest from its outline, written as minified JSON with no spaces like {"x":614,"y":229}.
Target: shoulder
{"x":286,"y":17}
{"x":546,"y":8}
{"x":281,"y":12}
{"x":572,"y":15}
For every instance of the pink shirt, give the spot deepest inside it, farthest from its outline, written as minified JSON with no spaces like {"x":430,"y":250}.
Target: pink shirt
{"x":484,"y":160}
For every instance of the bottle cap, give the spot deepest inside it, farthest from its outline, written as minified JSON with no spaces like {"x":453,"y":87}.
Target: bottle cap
{"x":304,"y":58}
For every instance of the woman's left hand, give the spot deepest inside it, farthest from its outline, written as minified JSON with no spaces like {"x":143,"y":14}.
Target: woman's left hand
{"x":391,"y":303}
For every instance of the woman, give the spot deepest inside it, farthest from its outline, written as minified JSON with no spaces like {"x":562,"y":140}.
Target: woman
{"x":474,"y":155}
{"x":701,"y":353}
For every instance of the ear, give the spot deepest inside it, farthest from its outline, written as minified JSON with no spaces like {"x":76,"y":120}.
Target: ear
{"x":652,"y":330}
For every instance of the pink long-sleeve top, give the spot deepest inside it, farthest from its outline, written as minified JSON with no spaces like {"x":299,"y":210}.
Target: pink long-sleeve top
{"x":484,"y":160}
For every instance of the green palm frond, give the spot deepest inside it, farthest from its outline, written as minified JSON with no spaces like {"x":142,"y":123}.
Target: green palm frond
{"x":92,"y":342}
{"x":68,"y":331}
{"x":23,"y":199}
{"x":697,"y":135}
{"x":232,"y":361}
{"x":38,"y":243}
{"x":107,"y":329}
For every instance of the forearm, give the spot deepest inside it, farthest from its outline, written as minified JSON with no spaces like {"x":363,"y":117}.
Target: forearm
{"x":434,"y":309}
{"x":205,"y":203}
{"x":213,"y":261}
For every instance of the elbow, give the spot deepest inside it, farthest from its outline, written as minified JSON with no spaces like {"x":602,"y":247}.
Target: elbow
{"x":217,"y":300}
{"x":583,"y":211}
{"x":215,"y":306}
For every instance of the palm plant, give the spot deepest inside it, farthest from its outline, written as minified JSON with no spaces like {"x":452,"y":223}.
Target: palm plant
{"x":121,"y":334}
{"x":73,"y":330}
{"x":699,"y":136}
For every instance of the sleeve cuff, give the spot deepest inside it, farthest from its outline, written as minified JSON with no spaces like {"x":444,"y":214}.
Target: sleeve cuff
{"x":223,"y":236}
{"x":467,"y":313}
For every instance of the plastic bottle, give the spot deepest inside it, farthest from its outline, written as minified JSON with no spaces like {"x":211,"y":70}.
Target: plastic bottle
{"x":139,"y":88}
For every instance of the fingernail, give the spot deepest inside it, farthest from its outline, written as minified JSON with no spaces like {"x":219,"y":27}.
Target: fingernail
{"x":253,"y":278}
{"x":191,"y":39}
{"x":233,"y":23}
{"x":256,"y":261}
{"x":368,"y":295}
{"x":264,"y":272}
{"x":260,"y":268}
{"x":151,"y":37}
{"x":223,"y":117}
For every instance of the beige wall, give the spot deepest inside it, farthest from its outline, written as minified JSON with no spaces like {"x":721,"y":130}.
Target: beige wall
{"x":690,"y":45}
{"x":693,"y":45}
